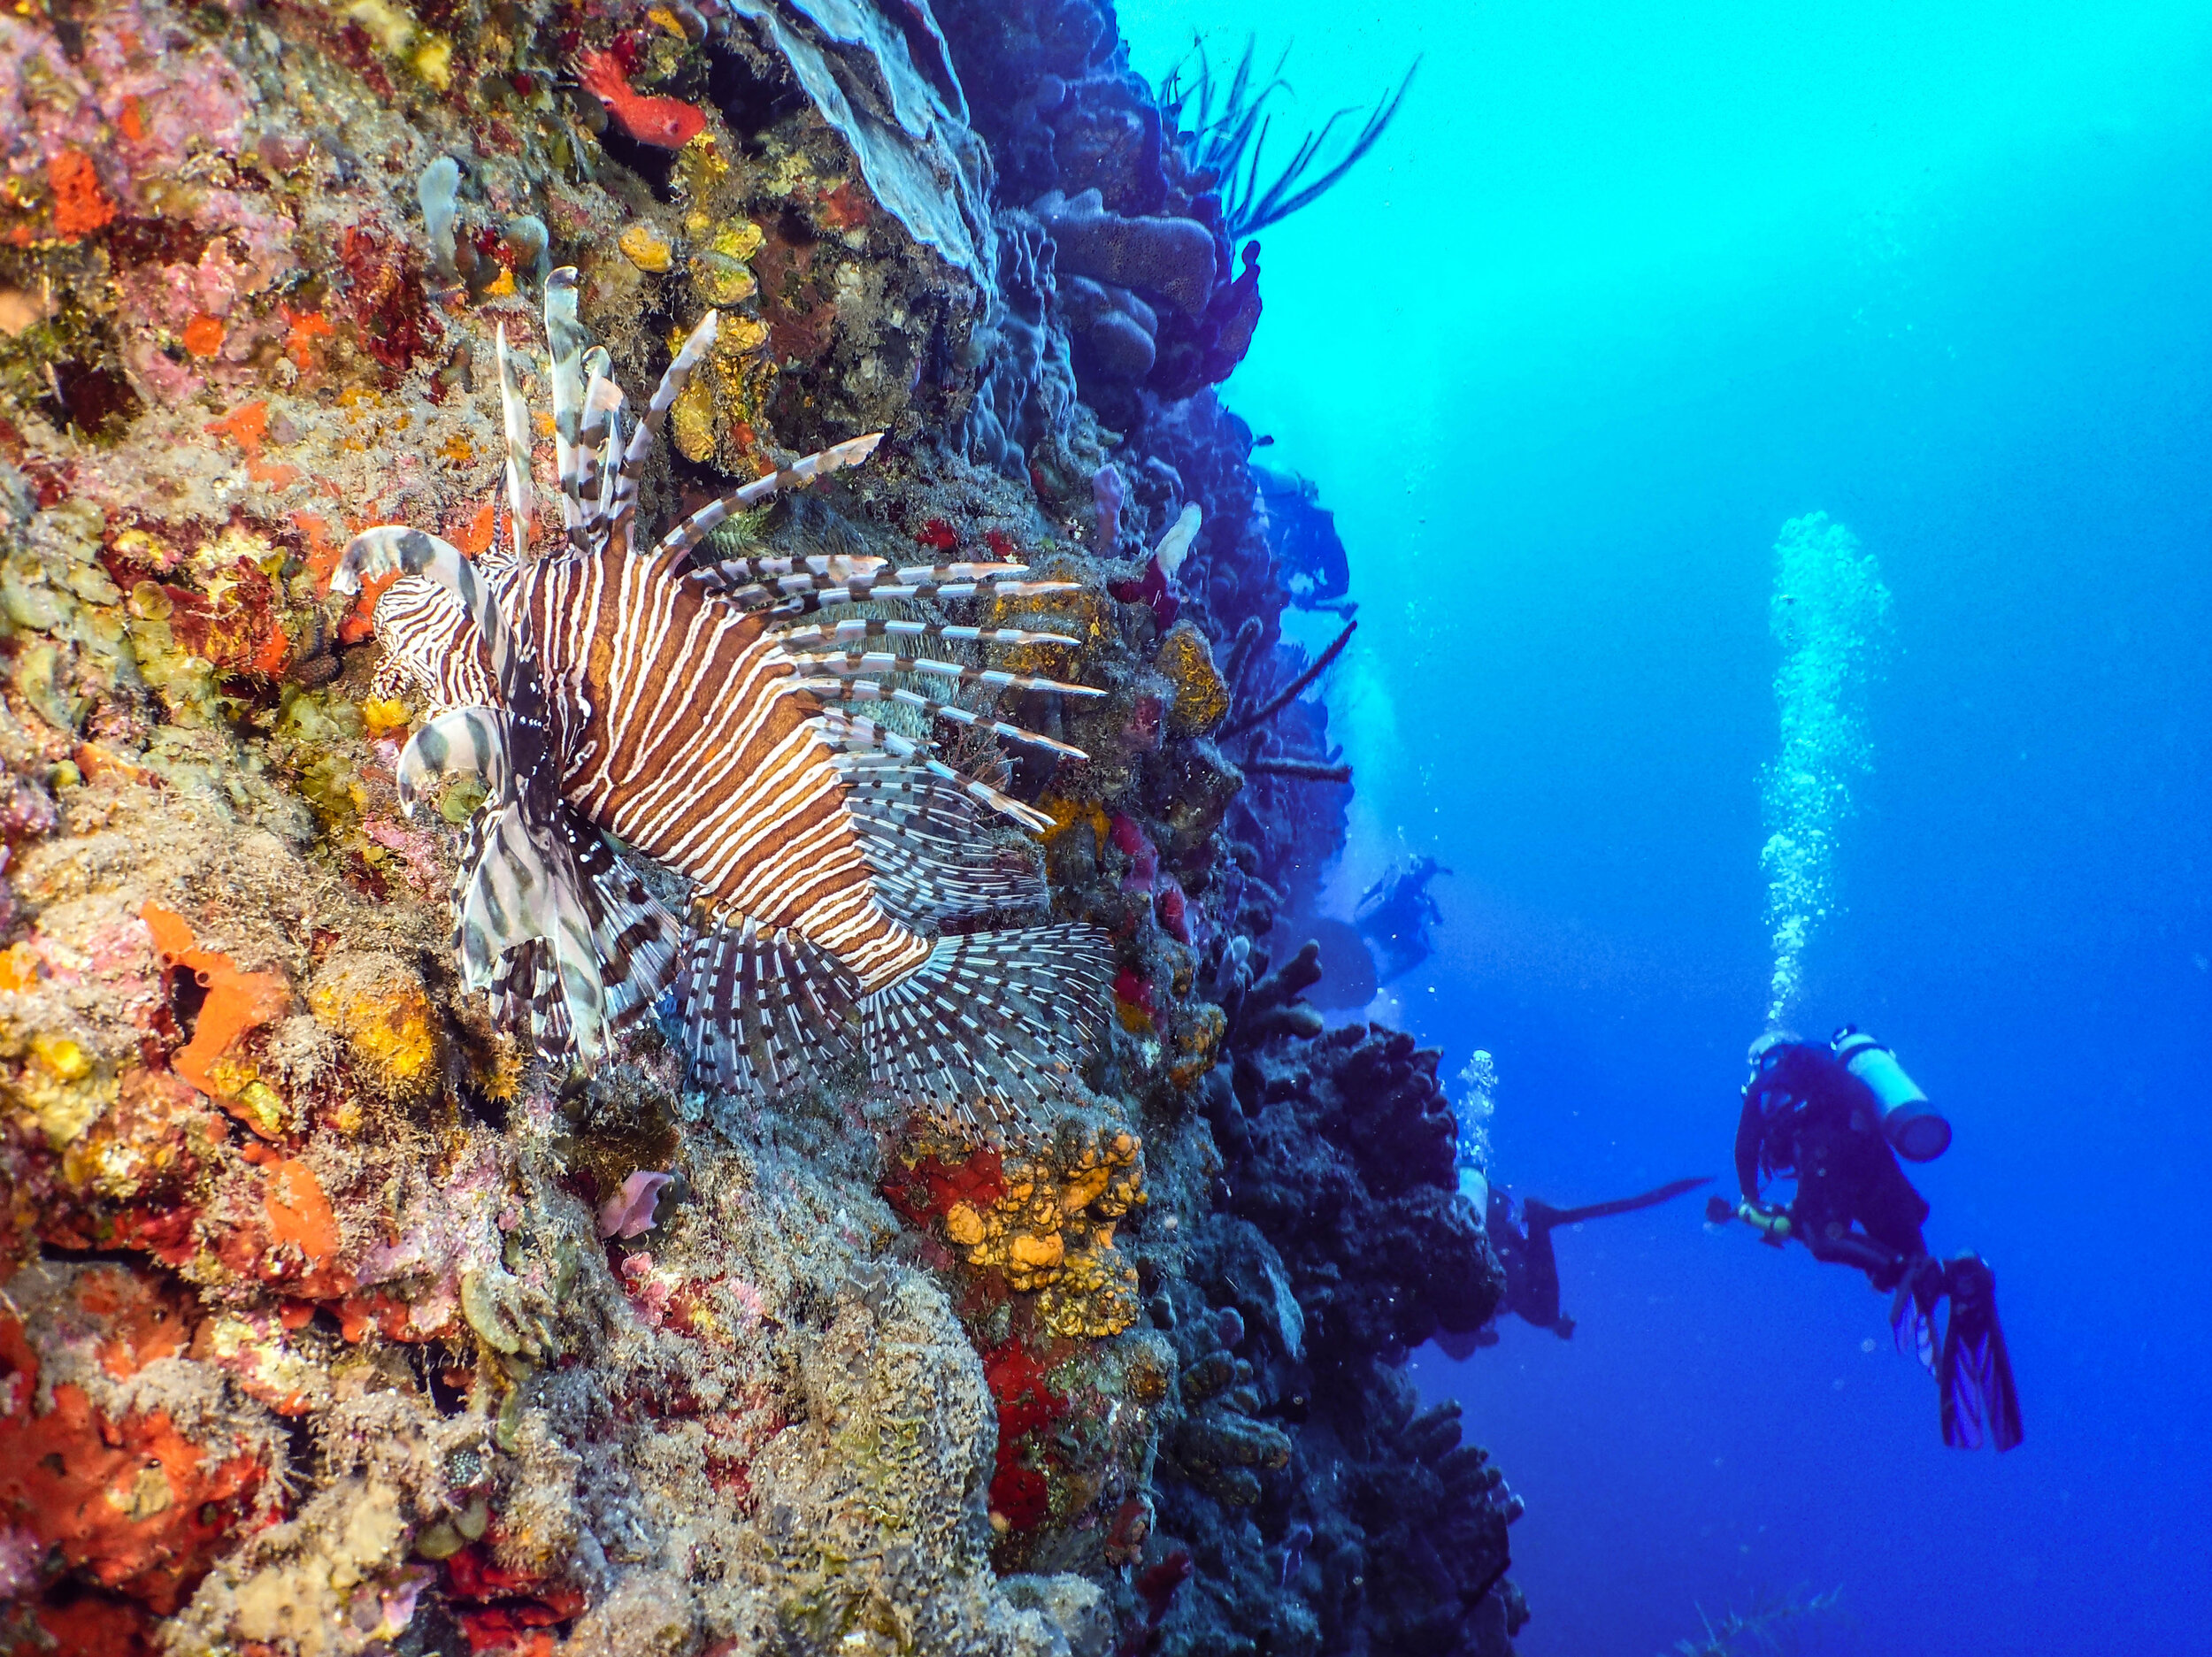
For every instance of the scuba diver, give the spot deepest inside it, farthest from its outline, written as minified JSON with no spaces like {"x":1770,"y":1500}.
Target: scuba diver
{"x":1395,"y":916}
{"x":1520,"y":1236}
{"x":1523,"y":1245}
{"x":1836,"y":1115}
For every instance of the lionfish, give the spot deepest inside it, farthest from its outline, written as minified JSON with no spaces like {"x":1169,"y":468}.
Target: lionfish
{"x":692,"y":706}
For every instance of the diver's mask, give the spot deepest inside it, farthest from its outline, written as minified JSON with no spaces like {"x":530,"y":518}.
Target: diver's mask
{"x":1766,"y":1052}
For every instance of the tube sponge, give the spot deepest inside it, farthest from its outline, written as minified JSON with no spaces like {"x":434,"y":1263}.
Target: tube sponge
{"x":435,"y":191}
{"x":1831,"y":613}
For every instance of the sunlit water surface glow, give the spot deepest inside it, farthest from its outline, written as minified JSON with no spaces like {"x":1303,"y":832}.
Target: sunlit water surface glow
{"x":1626,"y":289}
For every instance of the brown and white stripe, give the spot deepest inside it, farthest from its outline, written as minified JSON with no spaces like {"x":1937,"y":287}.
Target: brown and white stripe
{"x":686,"y":704}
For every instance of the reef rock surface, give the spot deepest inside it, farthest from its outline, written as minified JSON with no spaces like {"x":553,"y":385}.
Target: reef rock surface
{"x":330,"y":1322}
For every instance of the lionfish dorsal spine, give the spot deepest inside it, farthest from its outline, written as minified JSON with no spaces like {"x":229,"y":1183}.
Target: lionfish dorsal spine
{"x":565,"y":342}
{"x":679,"y":542}
{"x":677,"y":376}
{"x":514,"y":419}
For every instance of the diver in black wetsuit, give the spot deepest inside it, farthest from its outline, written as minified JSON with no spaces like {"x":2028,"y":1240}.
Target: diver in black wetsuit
{"x":1521,"y":1242}
{"x":1835,"y":1116}
{"x":1395,"y":916}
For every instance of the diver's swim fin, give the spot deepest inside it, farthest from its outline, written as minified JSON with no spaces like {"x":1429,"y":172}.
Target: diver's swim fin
{"x":1973,"y":1371}
{"x":1667,"y":1192}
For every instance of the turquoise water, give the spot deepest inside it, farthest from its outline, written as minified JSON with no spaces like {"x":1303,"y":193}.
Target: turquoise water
{"x":1621,"y":294}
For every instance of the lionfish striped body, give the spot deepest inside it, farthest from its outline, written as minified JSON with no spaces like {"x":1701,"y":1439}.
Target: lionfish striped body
{"x":694,"y":708}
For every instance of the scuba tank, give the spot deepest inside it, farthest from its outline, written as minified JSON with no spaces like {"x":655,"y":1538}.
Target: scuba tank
{"x":1476,"y":1189}
{"x":1915,"y":1129}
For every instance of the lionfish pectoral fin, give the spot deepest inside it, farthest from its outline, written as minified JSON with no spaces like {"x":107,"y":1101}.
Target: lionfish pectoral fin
{"x":852,"y":629}
{"x":856,"y":739}
{"x":395,"y":549}
{"x":460,"y":742}
{"x":387,"y":550}
{"x":525,"y":926}
{"x":985,"y":1024}
{"x":763,"y":1007}
{"x":636,"y":939}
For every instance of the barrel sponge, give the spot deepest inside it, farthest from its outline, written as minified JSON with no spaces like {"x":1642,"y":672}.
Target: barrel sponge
{"x":1118,"y":328}
{"x":1172,"y":257}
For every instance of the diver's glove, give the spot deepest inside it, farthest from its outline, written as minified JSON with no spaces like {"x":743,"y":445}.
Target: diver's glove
{"x":1772,"y":1224}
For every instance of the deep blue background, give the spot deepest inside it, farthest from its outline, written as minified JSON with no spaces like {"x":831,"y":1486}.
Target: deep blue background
{"x":1623,"y":294}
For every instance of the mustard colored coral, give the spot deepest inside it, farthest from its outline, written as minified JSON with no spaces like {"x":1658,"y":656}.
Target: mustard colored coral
{"x":1187,"y":662}
{"x":1051,"y":1228}
{"x":378,"y":1005}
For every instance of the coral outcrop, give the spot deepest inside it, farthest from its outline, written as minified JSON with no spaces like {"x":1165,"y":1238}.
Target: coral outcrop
{"x":336,"y":1322}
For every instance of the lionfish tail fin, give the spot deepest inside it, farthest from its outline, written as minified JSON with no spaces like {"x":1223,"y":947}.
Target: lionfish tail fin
{"x":762,"y":1008}
{"x":989,"y":1024}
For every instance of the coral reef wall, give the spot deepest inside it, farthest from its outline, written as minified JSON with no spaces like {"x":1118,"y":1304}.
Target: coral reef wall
{"x":332,"y":1322}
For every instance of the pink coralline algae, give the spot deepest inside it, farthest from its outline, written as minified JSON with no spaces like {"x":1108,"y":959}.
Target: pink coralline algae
{"x":25,"y":809}
{"x":19,"y":1556}
{"x":650,"y":1291}
{"x":206,"y":304}
{"x":420,"y":857}
{"x":629,"y":1212}
{"x":1135,"y":844}
{"x":98,"y":144}
{"x":1173,"y":910}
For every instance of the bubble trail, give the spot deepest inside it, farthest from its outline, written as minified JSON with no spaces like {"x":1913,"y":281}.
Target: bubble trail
{"x":1831,"y":613}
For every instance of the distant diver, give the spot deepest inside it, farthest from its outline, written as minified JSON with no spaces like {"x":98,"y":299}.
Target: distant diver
{"x":1395,"y":916}
{"x":1836,"y":1115}
{"x":1309,"y":555}
{"x":1520,"y":1236}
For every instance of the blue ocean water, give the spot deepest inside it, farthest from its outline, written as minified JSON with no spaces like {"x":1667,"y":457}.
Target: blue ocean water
{"x":1624,"y":289}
